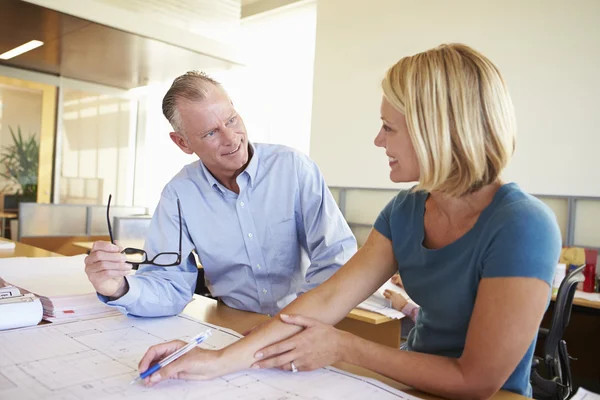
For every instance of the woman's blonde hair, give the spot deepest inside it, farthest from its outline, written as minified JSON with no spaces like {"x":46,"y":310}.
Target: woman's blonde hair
{"x":459,"y":114}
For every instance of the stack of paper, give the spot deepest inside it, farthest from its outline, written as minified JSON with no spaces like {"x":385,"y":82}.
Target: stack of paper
{"x":587,"y":296}
{"x":583,"y":394}
{"x":7,"y":245}
{"x":379,"y":304}
{"x":59,"y":282}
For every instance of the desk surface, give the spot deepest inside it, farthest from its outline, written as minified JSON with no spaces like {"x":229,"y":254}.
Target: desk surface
{"x":25,"y":250}
{"x":583,"y":302}
{"x":213,"y":312}
{"x":356,"y":314}
{"x":217,"y":313}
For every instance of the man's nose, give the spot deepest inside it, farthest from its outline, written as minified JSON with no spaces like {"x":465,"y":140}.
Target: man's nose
{"x":228,"y":135}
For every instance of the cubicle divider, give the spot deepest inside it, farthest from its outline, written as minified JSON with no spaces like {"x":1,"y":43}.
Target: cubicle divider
{"x":55,"y":227}
{"x":578,"y":217}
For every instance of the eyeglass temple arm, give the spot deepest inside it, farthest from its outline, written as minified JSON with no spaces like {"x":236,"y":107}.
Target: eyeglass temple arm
{"x":110,"y":233}
{"x":180,"y":225}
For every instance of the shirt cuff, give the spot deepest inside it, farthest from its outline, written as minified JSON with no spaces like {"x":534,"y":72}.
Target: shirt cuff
{"x":123,"y":302}
{"x":410,"y":310}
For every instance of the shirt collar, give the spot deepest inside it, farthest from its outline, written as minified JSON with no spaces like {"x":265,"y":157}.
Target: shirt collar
{"x":253,"y":164}
{"x":251,"y":169}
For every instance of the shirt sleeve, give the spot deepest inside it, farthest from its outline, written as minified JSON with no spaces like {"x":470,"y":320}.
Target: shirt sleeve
{"x":525,"y":242}
{"x":161,"y":291}
{"x":329,"y":240}
{"x":382,"y":223}
{"x":411,"y":310}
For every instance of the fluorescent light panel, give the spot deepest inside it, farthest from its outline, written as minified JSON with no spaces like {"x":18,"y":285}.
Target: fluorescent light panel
{"x":24,"y":48}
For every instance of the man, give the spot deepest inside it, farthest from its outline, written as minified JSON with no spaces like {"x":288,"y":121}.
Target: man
{"x":247,"y":209}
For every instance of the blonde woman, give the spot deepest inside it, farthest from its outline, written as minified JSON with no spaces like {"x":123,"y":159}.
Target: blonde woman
{"x":476,"y":254}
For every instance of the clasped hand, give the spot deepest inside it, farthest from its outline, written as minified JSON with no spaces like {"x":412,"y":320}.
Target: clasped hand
{"x":316,"y":346}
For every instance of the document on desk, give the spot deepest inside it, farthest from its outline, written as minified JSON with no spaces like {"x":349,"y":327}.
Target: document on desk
{"x":61,"y":284}
{"x":379,"y":304}
{"x":96,"y":359}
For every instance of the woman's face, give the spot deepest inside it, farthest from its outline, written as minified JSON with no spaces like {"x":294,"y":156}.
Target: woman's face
{"x":394,"y":138}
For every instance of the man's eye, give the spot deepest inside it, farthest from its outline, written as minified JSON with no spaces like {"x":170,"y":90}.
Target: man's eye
{"x":209,"y":134}
{"x":231,"y":121}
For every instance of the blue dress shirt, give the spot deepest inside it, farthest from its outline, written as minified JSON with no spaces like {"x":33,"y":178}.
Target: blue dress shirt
{"x":280,"y":237}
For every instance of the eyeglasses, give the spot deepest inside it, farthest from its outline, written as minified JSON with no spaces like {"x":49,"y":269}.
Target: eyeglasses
{"x":139,"y":256}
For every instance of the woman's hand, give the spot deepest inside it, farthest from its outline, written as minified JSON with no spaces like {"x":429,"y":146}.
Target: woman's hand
{"x":318,"y":345}
{"x":198,"y":364}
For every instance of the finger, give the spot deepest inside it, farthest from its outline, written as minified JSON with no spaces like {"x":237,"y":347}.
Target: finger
{"x":387,"y":294}
{"x":170,"y":371}
{"x":299,"y":320}
{"x":106,"y":275}
{"x":105,"y":246}
{"x":107,"y":266}
{"x":158,"y":352}
{"x":282,"y":361}
{"x":276,"y":349}
{"x":104,"y":256}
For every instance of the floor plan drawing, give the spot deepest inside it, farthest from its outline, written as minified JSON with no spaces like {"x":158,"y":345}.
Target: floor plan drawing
{"x":96,"y":359}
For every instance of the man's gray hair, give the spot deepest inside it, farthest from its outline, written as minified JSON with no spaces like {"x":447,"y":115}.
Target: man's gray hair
{"x":192,"y":86}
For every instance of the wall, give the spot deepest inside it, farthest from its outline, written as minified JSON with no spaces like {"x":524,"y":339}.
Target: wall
{"x":548,"y":51}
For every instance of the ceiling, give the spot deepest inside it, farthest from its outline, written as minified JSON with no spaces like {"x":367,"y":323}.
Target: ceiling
{"x":84,"y":50}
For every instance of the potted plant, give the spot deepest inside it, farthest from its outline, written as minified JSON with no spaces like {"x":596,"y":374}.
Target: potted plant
{"x":21,"y":162}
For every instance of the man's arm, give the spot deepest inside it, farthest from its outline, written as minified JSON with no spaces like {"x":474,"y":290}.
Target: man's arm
{"x":329,"y":240}
{"x":161,"y":291}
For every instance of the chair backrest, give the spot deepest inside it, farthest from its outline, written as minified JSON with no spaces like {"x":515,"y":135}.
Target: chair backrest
{"x":562,"y":311}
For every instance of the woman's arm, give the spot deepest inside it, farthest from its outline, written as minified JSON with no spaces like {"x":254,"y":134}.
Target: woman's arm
{"x":328,"y":303}
{"x":505,"y":320}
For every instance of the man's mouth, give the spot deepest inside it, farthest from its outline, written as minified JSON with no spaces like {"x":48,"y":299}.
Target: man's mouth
{"x":234,"y":151}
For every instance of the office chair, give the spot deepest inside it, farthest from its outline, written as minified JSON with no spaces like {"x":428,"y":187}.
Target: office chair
{"x":555,"y":383}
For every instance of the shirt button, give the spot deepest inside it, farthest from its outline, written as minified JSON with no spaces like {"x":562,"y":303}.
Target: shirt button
{"x":258,"y":266}
{"x":250,"y":235}
{"x":242,"y":203}
{"x":264,"y":290}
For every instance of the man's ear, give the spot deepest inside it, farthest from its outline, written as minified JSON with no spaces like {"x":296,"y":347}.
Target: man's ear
{"x":181,"y":142}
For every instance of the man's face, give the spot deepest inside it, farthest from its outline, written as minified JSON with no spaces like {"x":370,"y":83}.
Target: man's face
{"x":214,"y":131}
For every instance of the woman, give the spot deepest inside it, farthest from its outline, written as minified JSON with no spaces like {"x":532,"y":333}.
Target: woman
{"x":476,"y":254}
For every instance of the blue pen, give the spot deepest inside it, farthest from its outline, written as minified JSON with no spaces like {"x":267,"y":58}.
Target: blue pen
{"x":169,"y":359}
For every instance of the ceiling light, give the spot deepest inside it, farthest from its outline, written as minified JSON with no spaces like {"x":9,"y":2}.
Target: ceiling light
{"x":33,"y":44}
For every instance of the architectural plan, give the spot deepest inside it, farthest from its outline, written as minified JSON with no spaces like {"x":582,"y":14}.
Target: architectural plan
{"x":96,"y":359}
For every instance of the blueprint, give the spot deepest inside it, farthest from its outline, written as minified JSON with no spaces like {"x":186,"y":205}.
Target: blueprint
{"x":96,"y":359}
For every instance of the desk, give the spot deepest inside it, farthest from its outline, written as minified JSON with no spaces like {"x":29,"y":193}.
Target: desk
{"x":583,"y":302}
{"x":25,"y":250}
{"x":366,"y":324}
{"x":217,"y":313}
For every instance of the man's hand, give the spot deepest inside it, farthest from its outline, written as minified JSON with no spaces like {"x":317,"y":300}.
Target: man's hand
{"x":106,"y":269}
